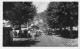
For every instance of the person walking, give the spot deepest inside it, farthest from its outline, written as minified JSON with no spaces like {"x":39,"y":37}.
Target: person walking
{"x":29,"y":35}
{"x":12,"y":35}
{"x":33,"y":33}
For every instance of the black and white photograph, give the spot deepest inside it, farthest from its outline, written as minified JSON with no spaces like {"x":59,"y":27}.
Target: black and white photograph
{"x":40,"y":24}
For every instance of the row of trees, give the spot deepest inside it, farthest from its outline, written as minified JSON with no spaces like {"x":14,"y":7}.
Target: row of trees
{"x":18,"y":13}
{"x":62,"y":14}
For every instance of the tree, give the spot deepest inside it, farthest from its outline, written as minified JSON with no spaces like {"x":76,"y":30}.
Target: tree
{"x":20,"y":13}
{"x":69,"y":12}
{"x":52,"y":11}
{"x":7,"y":6}
{"x":63,"y":14}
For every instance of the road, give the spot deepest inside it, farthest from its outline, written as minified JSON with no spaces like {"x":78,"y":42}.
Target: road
{"x":46,"y":41}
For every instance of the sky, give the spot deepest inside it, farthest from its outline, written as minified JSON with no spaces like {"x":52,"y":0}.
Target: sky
{"x":41,"y":6}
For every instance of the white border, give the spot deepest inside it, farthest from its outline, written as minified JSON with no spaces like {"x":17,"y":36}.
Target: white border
{"x":1,"y":26}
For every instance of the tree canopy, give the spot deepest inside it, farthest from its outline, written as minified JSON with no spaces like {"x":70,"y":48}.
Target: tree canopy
{"x":62,"y":14}
{"x":18,"y":12}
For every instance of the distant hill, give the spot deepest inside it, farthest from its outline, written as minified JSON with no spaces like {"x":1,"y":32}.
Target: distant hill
{"x":41,"y":18}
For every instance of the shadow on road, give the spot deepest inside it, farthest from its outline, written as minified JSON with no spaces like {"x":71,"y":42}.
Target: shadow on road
{"x":22,"y":43}
{"x":65,"y":34}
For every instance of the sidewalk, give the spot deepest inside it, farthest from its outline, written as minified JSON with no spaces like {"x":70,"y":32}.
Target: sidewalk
{"x":20,"y":39}
{"x":74,"y":42}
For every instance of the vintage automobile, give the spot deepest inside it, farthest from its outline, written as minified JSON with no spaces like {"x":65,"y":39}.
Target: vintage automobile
{"x":38,"y":32}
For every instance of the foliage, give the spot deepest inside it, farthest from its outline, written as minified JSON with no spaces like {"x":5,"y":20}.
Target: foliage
{"x":62,"y":14}
{"x":18,"y":12}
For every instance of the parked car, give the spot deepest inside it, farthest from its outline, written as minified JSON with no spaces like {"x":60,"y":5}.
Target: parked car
{"x":38,"y":32}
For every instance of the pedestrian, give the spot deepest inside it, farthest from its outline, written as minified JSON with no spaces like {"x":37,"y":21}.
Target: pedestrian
{"x":29,"y":35}
{"x":33,"y":34}
{"x":14,"y":32}
{"x":12,"y":35}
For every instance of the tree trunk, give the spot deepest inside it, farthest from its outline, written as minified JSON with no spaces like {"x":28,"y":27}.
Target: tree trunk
{"x":19,"y":27}
{"x":71,"y":34}
{"x":27,"y":24}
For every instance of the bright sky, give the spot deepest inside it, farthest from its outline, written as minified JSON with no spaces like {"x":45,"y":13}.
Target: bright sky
{"x":41,"y":6}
